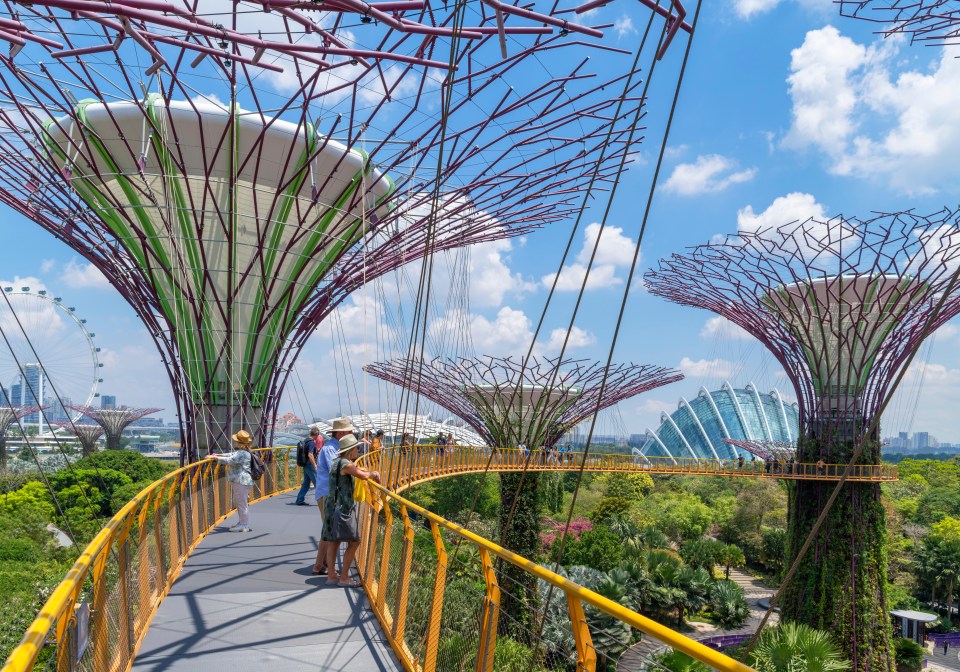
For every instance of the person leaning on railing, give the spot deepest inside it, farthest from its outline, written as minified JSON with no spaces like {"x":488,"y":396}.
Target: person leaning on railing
{"x":340,"y":522}
{"x":239,"y":477}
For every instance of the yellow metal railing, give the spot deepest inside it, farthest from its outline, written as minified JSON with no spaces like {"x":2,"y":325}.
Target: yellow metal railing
{"x":402,"y":468}
{"x":409,"y":595}
{"x":98,"y":615}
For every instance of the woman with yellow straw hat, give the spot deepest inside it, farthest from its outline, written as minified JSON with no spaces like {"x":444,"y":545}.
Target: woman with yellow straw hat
{"x":239,"y":477}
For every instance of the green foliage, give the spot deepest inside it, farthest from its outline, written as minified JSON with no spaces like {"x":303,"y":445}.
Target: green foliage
{"x":18,"y":550}
{"x":773,"y":549}
{"x":792,"y":647}
{"x":938,"y":503}
{"x":128,"y":462}
{"x":631,"y":487}
{"x":909,"y":655}
{"x":728,"y":605}
{"x":677,"y":661}
{"x":32,"y":495}
{"x":610,"y":507}
{"x":123,"y":494}
{"x":900,"y":597}
{"x":598,"y":548}
{"x":680,"y":516}
{"x":452,"y":497}
{"x":79,"y":487}
{"x":702,"y":553}
{"x":512,"y":656}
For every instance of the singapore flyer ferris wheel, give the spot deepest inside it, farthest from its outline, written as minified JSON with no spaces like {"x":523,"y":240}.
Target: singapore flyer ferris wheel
{"x":47,"y":356}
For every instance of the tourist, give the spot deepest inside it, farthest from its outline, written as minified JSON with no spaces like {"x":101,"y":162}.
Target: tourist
{"x":239,"y":477}
{"x":441,"y":445}
{"x":569,"y":453}
{"x":309,"y":469}
{"x":326,"y":454}
{"x":366,"y":441}
{"x":740,"y":462}
{"x":340,"y":522}
{"x":821,"y":466}
{"x":377,"y":443}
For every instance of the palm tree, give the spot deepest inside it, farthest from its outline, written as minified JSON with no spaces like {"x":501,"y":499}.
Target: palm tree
{"x":795,"y":646}
{"x":677,"y":661}
{"x":728,"y":605}
{"x":731,"y":556}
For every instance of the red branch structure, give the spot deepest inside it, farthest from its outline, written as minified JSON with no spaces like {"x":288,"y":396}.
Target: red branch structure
{"x":88,"y":435}
{"x":8,"y":415}
{"x":114,"y":421}
{"x":508,"y":404}
{"x":842,"y":304}
{"x":928,"y":22}
{"x":340,"y":141}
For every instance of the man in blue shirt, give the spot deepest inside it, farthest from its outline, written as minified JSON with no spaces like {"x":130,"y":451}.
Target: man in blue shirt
{"x":310,"y":468}
{"x":326,"y":455}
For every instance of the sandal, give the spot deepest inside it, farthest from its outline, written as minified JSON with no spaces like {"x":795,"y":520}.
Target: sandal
{"x":352,"y":583}
{"x":321,"y":570}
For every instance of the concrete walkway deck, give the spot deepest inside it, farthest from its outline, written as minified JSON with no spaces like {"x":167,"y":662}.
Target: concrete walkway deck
{"x":246,"y":602}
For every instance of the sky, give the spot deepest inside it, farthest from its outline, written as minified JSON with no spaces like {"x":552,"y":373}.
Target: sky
{"x":786,"y":111}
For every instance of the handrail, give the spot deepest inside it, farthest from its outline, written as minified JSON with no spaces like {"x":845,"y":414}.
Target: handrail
{"x":145,"y":554}
{"x":576,"y":595}
{"x":130,"y":565}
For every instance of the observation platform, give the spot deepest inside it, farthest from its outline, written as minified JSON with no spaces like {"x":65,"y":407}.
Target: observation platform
{"x":248,"y":602}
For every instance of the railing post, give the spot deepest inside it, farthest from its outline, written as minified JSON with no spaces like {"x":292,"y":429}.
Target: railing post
{"x":371,"y":548}
{"x":158,"y":536}
{"x":143,"y":566}
{"x":99,"y":621}
{"x":586,"y":654}
{"x":491,"y":615}
{"x":436,"y":604}
{"x":385,"y":556}
{"x":403,"y":580}
{"x":216,"y":490}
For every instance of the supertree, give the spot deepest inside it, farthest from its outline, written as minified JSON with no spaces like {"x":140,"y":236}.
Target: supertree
{"x":9,"y":415}
{"x":842,"y":304}
{"x":508,"y":404}
{"x":114,"y":420}
{"x":928,"y":22}
{"x":88,"y":435}
{"x":236,"y":170}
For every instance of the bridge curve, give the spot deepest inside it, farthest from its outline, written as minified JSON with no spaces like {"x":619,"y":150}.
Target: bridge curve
{"x":98,"y":617}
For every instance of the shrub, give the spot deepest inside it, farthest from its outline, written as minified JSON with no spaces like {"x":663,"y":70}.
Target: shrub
{"x":728,"y":605}
{"x":909,"y":655}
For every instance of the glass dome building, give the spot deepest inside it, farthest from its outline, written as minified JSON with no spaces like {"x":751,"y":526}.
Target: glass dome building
{"x":698,"y":428}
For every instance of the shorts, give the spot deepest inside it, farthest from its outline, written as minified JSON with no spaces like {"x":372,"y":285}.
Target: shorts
{"x":321,"y":503}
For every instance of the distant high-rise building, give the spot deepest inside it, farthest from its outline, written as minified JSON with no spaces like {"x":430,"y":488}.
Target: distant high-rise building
{"x":921,"y":440}
{"x":32,"y":390}
{"x":108,"y":402}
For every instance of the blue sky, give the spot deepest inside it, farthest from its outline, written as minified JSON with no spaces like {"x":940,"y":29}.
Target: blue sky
{"x":787,"y":111}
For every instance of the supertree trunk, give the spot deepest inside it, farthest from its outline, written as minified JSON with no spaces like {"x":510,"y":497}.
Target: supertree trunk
{"x":841,"y":582}
{"x":519,"y":528}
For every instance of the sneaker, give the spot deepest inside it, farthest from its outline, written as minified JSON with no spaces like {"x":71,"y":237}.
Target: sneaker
{"x":241,"y":528}
{"x":301,"y":504}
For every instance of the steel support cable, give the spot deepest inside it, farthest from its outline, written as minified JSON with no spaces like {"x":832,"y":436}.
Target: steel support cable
{"x":626,"y":294}
{"x":854,"y":458}
{"x":566,"y":252}
{"x":33,"y":453}
{"x":570,"y":240}
{"x":43,"y":370}
{"x":426,"y":269}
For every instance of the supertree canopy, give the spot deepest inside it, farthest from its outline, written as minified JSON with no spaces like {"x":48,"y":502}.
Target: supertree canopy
{"x":8,"y":415}
{"x":86,"y":434}
{"x":926,"y":21}
{"x":114,"y":420}
{"x":237,"y":169}
{"x":510,"y":404}
{"x":842,"y":304}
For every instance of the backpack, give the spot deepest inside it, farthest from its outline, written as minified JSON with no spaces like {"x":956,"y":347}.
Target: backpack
{"x":302,"y":458}
{"x":257,"y":467}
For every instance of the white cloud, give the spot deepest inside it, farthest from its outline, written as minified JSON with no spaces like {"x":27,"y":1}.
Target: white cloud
{"x":490,"y":277}
{"x":624,"y":26}
{"x":708,"y":368}
{"x":710,"y":173}
{"x":721,"y":327}
{"x":47,"y":265}
{"x":926,"y":373}
{"x":508,"y":333}
{"x":747,"y":9}
{"x":79,"y":275}
{"x":578,"y":339}
{"x":873,"y":119}
{"x":614,"y":250}
{"x":794,"y":207}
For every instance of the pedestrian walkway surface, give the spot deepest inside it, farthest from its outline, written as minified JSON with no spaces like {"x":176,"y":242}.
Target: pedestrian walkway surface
{"x":248,"y":601}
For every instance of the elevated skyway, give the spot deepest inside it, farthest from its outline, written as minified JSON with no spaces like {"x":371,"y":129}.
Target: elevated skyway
{"x":164,"y":587}
{"x":249,"y":602}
